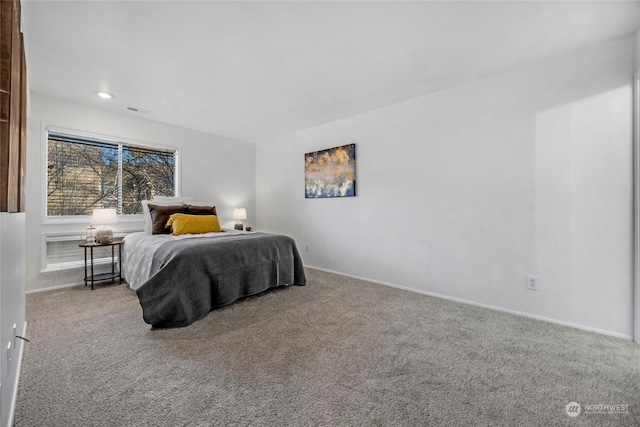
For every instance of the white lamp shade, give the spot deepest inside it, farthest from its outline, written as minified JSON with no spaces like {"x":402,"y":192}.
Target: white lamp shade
{"x":104,"y":216}
{"x":239,"y":214}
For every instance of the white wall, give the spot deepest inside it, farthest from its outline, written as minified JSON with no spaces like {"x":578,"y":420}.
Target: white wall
{"x":464,"y":192}
{"x":212,"y":169}
{"x":12,"y":308}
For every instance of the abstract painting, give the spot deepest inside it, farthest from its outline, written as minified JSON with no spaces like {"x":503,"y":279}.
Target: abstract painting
{"x":330,"y":173}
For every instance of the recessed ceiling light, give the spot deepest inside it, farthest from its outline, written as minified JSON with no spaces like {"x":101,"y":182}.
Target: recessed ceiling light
{"x":105,"y":95}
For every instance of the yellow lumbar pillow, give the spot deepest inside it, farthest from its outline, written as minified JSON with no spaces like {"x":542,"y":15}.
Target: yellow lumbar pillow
{"x":193,"y":224}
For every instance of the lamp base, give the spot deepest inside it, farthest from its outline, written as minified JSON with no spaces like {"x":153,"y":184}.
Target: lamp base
{"x":104,"y":235}
{"x":239,"y":226}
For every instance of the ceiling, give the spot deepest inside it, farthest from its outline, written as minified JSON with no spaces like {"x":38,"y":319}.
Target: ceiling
{"x":256,"y":70}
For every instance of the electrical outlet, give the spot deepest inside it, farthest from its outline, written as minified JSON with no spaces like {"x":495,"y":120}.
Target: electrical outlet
{"x":306,"y":248}
{"x":532,"y":283}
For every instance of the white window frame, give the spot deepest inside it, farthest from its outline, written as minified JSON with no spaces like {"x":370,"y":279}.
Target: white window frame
{"x":85,"y":219}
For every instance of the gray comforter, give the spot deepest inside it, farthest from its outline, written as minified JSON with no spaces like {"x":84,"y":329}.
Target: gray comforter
{"x":190,"y":277}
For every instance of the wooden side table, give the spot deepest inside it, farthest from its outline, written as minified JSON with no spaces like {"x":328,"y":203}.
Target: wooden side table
{"x":103,"y":276}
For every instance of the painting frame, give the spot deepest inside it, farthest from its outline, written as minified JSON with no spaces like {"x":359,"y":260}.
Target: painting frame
{"x":330,"y":172}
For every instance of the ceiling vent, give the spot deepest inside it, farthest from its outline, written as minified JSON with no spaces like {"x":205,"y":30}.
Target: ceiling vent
{"x":138,"y":110}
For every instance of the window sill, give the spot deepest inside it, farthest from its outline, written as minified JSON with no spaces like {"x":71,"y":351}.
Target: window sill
{"x":86,"y":219}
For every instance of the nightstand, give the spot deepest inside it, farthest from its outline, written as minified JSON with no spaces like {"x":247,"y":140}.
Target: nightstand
{"x":88,"y":262}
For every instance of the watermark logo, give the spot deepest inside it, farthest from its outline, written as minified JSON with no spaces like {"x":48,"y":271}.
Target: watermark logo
{"x":573,"y":409}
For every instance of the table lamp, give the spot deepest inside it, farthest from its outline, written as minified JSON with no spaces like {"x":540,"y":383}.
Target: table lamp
{"x":104,"y":217}
{"x":239,"y":215}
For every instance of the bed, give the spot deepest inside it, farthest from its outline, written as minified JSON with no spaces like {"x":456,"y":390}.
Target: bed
{"x":180,"y":279}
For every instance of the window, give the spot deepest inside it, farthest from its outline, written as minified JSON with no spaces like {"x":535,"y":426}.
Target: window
{"x":84,"y":173}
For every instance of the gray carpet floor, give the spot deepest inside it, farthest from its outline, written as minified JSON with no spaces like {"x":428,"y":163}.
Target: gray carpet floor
{"x":338,"y":352}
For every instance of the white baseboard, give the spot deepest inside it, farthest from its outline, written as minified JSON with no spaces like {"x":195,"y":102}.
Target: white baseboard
{"x":51,"y":288}
{"x":14,"y":389}
{"x":477,"y":304}
{"x":68,"y":285}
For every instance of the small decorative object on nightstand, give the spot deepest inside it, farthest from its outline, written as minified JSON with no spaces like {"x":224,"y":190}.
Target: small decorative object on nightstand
{"x":88,"y":262}
{"x":239,"y":215}
{"x":249,"y":228}
{"x":89,"y":235}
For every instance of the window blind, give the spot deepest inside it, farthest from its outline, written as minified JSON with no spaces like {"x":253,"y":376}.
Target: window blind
{"x":84,"y":173}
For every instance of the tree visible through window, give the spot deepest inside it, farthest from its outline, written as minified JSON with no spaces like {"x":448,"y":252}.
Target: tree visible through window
{"x":86,"y":173}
